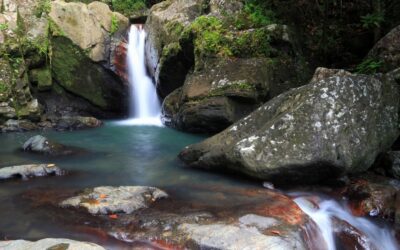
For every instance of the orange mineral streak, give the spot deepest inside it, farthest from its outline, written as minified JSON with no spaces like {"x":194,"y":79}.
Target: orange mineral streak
{"x":165,"y":245}
{"x":119,"y":60}
{"x":283,"y":208}
{"x":113,"y":216}
{"x":102,"y":196}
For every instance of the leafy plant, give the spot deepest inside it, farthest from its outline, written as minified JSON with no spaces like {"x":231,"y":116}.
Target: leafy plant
{"x":373,"y":20}
{"x":44,"y":6}
{"x":3,"y":26}
{"x":114,"y":24}
{"x":126,"y":7}
{"x":369,"y":66}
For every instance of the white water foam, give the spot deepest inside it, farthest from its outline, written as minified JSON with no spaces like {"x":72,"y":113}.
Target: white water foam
{"x":380,"y":238}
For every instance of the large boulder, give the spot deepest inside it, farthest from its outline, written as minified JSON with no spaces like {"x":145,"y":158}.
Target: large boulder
{"x":225,"y":68}
{"x":167,"y":63}
{"x":386,"y":51}
{"x":325,"y":129}
{"x":90,"y":33}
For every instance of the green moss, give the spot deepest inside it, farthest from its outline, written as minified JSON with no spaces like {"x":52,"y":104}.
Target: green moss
{"x":171,"y":50}
{"x":174,"y":29}
{"x":212,"y":37}
{"x":71,"y":67}
{"x":3,"y":26}
{"x":43,"y":7}
{"x":54,"y":29}
{"x":114,"y":24}
{"x":42,"y":77}
{"x":127,"y":7}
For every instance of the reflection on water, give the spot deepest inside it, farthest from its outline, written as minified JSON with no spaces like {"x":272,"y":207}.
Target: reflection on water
{"x":118,"y":155}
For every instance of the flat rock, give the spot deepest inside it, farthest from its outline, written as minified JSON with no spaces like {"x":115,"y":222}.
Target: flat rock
{"x":27,"y":171}
{"x":229,"y":237}
{"x":109,"y":200}
{"x":48,"y":244}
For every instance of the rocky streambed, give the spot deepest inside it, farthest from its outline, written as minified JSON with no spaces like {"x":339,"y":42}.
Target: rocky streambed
{"x":125,"y":192}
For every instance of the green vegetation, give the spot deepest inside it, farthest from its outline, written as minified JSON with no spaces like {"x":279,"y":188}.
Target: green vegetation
{"x":213,"y":37}
{"x":3,"y":26}
{"x":114,"y":24}
{"x":369,"y":66}
{"x":373,"y":20}
{"x":254,"y":15}
{"x":43,"y":7}
{"x":127,"y":7}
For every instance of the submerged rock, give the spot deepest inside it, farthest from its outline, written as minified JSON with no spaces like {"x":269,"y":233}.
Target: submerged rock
{"x":27,"y":171}
{"x":108,"y":200}
{"x":325,"y":129}
{"x":48,"y":244}
{"x":40,"y":144}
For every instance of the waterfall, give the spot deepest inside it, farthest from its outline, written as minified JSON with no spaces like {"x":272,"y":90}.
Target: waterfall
{"x":144,"y":106}
{"x":327,"y":211}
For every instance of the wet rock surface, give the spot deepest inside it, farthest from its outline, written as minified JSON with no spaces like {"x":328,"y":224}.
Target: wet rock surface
{"x":267,"y":217}
{"x":29,"y":171}
{"x":322,"y":130}
{"x":41,"y":145}
{"x":48,"y":244}
{"x":220,"y":236}
{"x":109,"y":200}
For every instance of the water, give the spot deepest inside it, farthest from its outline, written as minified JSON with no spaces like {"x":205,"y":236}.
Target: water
{"x":144,"y":102}
{"x":117,"y":155}
{"x":322,"y":214}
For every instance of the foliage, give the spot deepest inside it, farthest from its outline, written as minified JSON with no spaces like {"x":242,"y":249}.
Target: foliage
{"x":372,"y":20}
{"x":114,"y":24}
{"x":212,"y":36}
{"x":3,"y":26}
{"x":254,"y":15}
{"x":43,"y":7}
{"x":126,"y":7}
{"x":369,"y":66}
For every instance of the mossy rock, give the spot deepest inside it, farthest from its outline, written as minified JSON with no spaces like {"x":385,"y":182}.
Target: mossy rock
{"x":41,"y":77}
{"x":75,"y":72}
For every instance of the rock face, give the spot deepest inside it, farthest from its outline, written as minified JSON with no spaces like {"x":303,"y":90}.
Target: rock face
{"x":50,"y":244}
{"x":164,"y":24}
{"x":212,"y":70}
{"x":28,"y":171}
{"x":59,"y":62}
{"x":387,"y":51}
{"x":109,"y":200}
{"x":322,"y":130}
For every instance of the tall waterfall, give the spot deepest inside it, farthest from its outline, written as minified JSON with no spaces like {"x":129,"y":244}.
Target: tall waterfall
{"x":144,"y":107}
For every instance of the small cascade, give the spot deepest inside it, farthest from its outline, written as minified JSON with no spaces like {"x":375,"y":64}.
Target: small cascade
{"x":327,"y":214}
{"x":144,"y":107}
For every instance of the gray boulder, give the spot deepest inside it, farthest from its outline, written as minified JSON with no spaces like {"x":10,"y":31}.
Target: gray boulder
{"x":325,"y":129}
{"x":42,"y":145}
{"x":27,"y":171}
{"x":48,"y":244}
{"x":108,"y":200}
{"x":230,"y":237}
